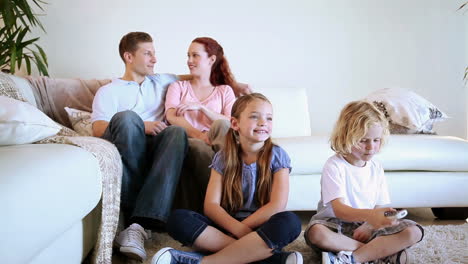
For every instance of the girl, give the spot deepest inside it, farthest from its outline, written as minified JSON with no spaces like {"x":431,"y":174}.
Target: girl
{"x":247,"y":193}
{"x":197,"y":103}
{"x":353,"y":191}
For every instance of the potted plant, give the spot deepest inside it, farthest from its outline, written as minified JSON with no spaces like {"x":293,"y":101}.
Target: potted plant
{"x":16,"y":20}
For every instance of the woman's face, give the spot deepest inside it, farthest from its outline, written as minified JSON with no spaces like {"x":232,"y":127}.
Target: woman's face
{"x":198,"y":61}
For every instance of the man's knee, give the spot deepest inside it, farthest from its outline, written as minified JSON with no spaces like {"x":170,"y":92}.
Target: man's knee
{"x":127,"y":118}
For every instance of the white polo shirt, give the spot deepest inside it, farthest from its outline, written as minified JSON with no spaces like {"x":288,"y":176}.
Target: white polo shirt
{"x":146,"y":100}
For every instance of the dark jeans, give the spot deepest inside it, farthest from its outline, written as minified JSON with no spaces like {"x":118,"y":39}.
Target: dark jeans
{"x":151,"y":168}
{"x":277,"y":232}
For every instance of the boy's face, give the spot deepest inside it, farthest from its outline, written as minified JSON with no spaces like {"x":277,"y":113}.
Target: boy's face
{"x":367,"y":147}
{"x":143,"y":60}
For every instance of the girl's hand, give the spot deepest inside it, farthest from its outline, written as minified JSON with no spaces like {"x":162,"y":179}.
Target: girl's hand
{"x":182,"y":108}
{"x":378,"y":219}
{"x":241,"y":230}
{"x":363,"y":233}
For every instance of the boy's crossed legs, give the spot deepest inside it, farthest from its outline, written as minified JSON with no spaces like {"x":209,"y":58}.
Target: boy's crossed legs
{"x":383,"y":243}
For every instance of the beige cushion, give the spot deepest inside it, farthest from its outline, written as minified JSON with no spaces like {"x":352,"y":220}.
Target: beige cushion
{"x":81,"y":121}
{"x":406,"y":111}
{"x":22,"y":123}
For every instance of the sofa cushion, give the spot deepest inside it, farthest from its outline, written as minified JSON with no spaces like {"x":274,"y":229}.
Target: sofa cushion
{"x":37,"y":213}
{"x":22,"y":123}
{"x":81,"y":121}
{"x":25,"y":89}
{"x":286,"y":124}
{"x":402,"y":153}
{"x":406,"y":111}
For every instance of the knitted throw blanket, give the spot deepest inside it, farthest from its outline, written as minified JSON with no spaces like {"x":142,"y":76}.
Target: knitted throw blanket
{"x":110,"y":165}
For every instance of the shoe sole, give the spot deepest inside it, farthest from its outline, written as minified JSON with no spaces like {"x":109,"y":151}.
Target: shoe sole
{"x":159,"y":256}
{"x":133,"y":253}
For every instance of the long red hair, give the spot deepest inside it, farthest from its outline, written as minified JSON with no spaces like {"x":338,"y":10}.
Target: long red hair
{"x":220,"y":72}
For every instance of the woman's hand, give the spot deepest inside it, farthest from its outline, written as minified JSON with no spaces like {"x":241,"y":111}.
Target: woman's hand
{"x":182,"y":108}
{"x":204,"y":137}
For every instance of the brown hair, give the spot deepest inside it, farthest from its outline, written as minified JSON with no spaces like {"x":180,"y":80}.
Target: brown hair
{"x":220,"y":71}
{"x":232,"y":198}
{"x":129,"y":42}
{"x":353,"y":123}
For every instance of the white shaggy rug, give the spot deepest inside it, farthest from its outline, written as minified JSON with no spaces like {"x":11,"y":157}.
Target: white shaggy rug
{"x":442,"y":244}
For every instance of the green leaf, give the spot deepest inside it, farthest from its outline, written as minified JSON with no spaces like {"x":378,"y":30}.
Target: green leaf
{"x":19,"y":56}
{"x":40,"y":64}
{"x":28,"y":64}
{"x":13,"y":60}
{"x":43,"y":54}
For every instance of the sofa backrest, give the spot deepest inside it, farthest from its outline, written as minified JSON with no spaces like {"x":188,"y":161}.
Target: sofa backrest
{"x":52,"y":95}
{"x":290,"y":111}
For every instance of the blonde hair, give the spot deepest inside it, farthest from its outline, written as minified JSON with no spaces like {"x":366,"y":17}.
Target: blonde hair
{"x":232,"y":198}
{"x":353,"y":123}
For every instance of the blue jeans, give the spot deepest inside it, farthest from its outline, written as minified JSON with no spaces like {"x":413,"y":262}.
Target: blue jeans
{"x":151,"y":168}
{"x":281,"y":229}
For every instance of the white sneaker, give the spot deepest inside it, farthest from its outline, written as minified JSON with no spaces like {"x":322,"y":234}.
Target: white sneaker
{"x":294,"y":258}
{"x":131,"y":242}
{"x":326,"y":258}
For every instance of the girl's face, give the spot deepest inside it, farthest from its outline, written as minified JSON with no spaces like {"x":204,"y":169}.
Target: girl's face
{"x":367,"y":147}
{"x":198,"y":61}
{"x":255,"y":122}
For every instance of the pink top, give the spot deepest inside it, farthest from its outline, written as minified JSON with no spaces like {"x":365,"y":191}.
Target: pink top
{"x":220,"y":101}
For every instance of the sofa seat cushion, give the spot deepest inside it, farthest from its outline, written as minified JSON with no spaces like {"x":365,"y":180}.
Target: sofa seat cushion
{"x":401,"y":153}
{"x":45,"y":189}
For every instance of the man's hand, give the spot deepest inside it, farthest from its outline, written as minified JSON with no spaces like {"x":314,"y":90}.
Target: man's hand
{"x":154,"y":128}
{"x":241,"y":89}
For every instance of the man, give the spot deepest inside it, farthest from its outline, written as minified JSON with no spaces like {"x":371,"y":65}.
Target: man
{"x":129,"y":112}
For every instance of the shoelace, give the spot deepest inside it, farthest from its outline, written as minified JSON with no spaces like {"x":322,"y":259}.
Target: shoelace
{"x":135,"y":235}
{"x":186,"y":257}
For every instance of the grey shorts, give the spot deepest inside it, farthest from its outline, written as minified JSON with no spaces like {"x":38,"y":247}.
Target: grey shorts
{"x":347,"y":228}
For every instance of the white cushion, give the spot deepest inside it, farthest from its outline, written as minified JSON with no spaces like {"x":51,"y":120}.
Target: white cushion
{"x":81,"y":121}
{"x":407,"y":109}
{"x":24,"y":89}
{"x":22,"y":123}
{"x":290,"y":111}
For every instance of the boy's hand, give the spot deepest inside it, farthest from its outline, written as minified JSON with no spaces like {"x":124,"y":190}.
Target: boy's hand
{"x":363,"y":233}
{"x":378,"y":219}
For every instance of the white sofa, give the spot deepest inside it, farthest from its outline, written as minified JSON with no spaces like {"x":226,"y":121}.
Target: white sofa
{"x":50,"y":200}
{"x":50,"y":193}
{"x":422,"y":170}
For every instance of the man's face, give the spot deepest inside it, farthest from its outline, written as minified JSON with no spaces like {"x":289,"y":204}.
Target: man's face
{"x":143,"y":60}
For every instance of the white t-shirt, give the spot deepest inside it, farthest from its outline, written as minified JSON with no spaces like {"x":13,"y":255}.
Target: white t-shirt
{"x":146,"y":100}
{"x":360,"y":187}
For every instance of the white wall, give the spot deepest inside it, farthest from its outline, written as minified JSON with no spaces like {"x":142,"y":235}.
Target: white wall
{"x":340,"y":50}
